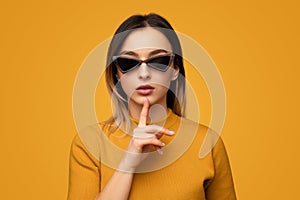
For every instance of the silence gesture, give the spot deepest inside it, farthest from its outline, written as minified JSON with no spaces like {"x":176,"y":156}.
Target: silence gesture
{"x":144,"y":138}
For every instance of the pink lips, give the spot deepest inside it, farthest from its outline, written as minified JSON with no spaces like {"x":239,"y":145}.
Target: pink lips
{"x":144,"y":89}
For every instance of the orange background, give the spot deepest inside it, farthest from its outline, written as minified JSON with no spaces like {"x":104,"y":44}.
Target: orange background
{"x":255,"y":45}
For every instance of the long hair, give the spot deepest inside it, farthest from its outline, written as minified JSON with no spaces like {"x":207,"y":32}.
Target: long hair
{"x":176,"y":94}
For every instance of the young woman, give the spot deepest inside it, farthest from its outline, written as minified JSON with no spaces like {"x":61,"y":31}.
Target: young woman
{"x":159,"y":147}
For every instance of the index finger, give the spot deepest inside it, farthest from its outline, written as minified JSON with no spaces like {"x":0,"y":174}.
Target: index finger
{"x":144,"y":113}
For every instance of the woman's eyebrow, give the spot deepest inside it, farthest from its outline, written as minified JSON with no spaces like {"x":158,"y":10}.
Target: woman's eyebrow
{"x":151,"y":53}
{"x":126,"y":52}
{"x":157,"y":51}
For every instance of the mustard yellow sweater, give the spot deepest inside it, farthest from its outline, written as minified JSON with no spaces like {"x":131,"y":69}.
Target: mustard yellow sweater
{"x":179,"y":174}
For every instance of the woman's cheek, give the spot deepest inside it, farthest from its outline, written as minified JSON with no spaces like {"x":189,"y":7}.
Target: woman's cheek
{"x":128,"y":86}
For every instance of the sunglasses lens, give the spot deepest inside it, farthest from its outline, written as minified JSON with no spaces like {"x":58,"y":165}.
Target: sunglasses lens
{"x":126,"y":64}
{"x":160,"y":63}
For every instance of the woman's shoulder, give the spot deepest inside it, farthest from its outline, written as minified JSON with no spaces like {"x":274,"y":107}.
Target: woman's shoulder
{"x":203,"y":136}
{"x":189,"y":125}
{"x":188,"y":122}
{"x":87,"y":140}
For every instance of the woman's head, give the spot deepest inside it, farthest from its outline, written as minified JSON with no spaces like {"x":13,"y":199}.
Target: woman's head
{"x":140,"y":38}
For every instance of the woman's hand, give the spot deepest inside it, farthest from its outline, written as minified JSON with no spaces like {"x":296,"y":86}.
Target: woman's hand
{"x":143,"y":139}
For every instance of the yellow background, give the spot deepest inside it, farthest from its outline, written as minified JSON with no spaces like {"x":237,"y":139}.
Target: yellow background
{"x":255,"y":45}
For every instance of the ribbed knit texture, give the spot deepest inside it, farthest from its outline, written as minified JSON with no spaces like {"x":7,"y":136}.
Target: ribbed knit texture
{"x":189,"y":177}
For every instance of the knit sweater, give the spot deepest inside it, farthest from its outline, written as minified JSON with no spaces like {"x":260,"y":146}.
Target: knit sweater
{"x":179,"y":174}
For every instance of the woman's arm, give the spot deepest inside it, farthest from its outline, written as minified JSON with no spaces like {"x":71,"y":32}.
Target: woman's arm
{"x":144,"y":137}
{"x":84,"y":174}
{"x":118,"y":186}
{"x":221,"y":187}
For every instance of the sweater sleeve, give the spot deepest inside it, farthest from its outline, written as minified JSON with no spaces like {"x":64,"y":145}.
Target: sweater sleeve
{"x":221,"y":187}
{"x":84,"y":173}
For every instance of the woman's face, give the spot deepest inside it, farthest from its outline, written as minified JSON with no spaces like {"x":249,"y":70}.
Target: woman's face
{"x":144,"y":81}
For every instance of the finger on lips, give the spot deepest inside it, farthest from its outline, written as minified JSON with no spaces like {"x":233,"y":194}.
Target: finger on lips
{"x":144,"y":113}
{"x":144,"y":135}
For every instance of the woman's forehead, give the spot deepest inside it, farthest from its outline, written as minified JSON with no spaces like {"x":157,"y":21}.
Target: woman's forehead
{"x":146,"y":38}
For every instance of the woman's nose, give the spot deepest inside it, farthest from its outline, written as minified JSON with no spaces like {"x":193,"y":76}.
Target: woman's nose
{"x":143,"y":72}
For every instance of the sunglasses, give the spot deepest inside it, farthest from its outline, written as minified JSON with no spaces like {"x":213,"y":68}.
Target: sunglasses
{"x":161,"y":62}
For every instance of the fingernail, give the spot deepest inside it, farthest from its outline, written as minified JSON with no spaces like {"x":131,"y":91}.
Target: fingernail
{"x":160,"y":152}
{"x":171,"y":132}
{"x":163,"y":144}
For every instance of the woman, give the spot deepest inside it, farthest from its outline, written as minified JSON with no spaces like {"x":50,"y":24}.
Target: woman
{"x":146,"y":79}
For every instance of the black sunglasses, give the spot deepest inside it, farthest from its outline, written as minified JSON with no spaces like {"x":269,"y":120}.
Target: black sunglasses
{"x":161,"y":62}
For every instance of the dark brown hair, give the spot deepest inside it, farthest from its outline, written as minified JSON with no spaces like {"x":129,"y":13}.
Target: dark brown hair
{"x":176,"y":93}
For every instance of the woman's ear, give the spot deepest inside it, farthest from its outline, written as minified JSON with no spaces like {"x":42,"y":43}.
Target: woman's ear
{"x":175,"y":73}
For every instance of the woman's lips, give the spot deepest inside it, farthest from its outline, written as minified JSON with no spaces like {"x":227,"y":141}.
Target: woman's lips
{"x":144,"y":89}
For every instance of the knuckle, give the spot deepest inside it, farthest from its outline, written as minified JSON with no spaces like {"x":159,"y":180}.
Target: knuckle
{"x":137,"y":143}
{"x":154,"y":140}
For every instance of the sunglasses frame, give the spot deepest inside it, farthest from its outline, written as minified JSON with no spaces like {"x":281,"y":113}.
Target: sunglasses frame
{"x":115,"y":58}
